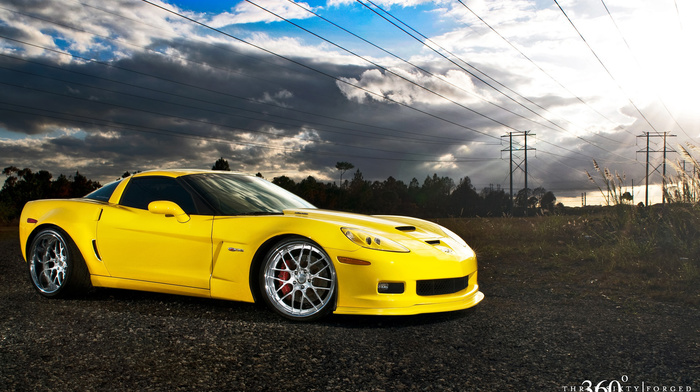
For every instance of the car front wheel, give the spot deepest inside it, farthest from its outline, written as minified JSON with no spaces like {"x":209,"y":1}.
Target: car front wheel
{"x":56,"y":266}
{"x":297,"y":280}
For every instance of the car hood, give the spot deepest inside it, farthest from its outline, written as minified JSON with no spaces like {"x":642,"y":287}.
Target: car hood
{"x":393,"y":227}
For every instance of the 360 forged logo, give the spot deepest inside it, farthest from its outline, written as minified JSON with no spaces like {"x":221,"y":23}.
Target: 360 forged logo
{"x":623,"y":385}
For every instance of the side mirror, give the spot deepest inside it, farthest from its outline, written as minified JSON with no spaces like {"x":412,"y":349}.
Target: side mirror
{"x":168,"y":208}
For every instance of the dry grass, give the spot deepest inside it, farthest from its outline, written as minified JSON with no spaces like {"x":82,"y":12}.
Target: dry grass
{"x":630,"y":252}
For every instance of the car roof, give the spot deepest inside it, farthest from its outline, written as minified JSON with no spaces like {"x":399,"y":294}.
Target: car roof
{"x":182,"y":172}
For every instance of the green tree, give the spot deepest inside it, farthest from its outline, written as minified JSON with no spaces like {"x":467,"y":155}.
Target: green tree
{"x":221,"y":164}
{"x":464,"y":201}
{"x":343,"y":167}
{"x":434,"y":195}
{"x":285,"y":183}
{"x":523,"y":199}
{"x":81,"y":186}
{"x":547,"y":201}
{"x":360,"y":193}
{"x":627,"y":197}
{"x":494,"y":202}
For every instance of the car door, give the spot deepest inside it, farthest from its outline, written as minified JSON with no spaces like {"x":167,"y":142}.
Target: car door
{"x":137,"y":244}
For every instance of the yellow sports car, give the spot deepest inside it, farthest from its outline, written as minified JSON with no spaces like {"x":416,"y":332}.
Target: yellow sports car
{"x":239,"y":237}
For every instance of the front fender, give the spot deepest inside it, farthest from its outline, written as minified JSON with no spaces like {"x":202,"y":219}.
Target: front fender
{"x":237,"y":240}
{"x":77,"y":217}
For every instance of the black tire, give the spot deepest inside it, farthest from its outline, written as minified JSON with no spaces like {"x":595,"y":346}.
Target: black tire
{"x":56,"y":266}
{"x":297,"y":280}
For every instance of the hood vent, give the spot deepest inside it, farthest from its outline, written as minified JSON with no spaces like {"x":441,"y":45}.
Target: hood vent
{"x":433,"y":242}
{"x":406,"y":228}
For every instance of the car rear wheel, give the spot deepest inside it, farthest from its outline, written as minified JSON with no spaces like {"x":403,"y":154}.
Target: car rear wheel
{"x":56,"y":266}
{"x":297,"y":280}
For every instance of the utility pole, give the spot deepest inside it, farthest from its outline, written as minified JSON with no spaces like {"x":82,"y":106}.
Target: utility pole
{"x":663,"y":176}
{"x":510,"y":148}
{"x":526,"y":190}
{"x":633,"y":191}
{"x":515,"y":163}
{"x":665,"y":150}
{"x":646,"y":194}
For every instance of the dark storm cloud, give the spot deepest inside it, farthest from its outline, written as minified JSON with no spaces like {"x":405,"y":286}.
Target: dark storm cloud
{"x":142,"y":90}
{"x":181,"y":100}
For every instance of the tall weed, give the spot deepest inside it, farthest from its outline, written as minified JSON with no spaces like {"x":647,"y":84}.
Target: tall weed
{"x":648,"y":251}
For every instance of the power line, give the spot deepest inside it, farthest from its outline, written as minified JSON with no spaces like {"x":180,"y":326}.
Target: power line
{"x":382,"y":97}
{"x":199,"y":87}
{"x":471,"y":73}
{"x":412,"y":82}
{"x":186,"y":84}
{"x":152,"y":130}
{"x":629,"y":48}
{"x":605,"y":68}
{"x":352,"y":132}
{"x":203,"y":121}
{"x":384,"y":68}
{"x":572,"y":151}
{"x":427,"y":72}
{"x":665,"y":150}
{"x":426,"y":39}
{"x":544,"y":72}
{"x":678,"y":14}
{"x":209,"y":102}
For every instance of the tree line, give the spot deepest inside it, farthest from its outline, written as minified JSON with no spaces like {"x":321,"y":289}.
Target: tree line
{"x":23,"y":185}
{"x":435,"y":197}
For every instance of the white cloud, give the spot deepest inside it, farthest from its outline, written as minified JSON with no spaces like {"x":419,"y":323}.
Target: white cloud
{"x":454,"y":86}
{"x":92,"y":26}
{"x":382,"y":3}
{"x":245,"y":12}
{"x":279,"y":98}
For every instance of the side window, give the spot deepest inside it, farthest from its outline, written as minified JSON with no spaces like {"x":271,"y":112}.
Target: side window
{"x":142,"y":190}
{"x":104,"y":193}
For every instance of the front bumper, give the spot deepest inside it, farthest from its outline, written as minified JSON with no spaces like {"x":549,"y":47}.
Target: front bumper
{"x":358,"y":284}
{"x":469,"y":298}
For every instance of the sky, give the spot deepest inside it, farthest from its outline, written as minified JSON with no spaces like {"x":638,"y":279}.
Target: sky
{"x":401,"y":88}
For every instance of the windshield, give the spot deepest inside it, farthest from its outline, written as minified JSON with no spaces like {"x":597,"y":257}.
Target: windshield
{"x":236,"y":194}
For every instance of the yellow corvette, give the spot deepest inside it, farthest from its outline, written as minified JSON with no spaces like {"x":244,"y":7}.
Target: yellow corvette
{"x":238,"y":237}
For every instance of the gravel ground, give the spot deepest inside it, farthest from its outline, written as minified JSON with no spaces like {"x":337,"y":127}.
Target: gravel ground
{"x":529,"y":334}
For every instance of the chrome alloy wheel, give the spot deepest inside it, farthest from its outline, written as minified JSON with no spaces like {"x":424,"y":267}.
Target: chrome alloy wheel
{"x":48,"y":262}
{"x":299,"y":280}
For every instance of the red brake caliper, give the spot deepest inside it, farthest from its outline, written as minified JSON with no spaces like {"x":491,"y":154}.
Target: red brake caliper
{"x":285,"y":275}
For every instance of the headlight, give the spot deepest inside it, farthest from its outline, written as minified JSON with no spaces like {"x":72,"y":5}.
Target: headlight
{"x":369,"y":240}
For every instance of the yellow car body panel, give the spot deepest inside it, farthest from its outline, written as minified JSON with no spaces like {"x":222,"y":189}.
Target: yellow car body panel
{"x":218,"y":256}
{"x":137,"y":244}
{"x":78,"y":217}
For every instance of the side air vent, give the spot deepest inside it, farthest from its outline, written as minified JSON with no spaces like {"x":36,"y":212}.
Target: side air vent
{"x":94,"y":247}
{"x":406,"y":228}
{"x":433,"y":242}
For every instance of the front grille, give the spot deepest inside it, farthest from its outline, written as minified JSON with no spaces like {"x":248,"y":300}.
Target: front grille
{"x":441,"y":286}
